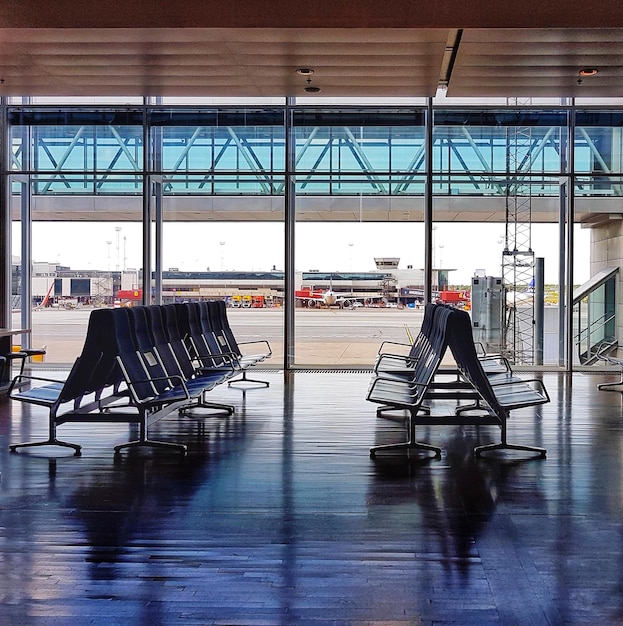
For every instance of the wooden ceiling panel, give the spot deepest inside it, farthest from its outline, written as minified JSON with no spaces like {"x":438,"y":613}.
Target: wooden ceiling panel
{"x":219,"y":62}
{"x":538,"y":63}
{"x":348,"y":62}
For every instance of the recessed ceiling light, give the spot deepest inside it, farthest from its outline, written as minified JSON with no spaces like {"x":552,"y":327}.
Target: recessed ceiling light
{"x":588,"y":71}
{"x":305,"y":71}
{"x":312,"y":89}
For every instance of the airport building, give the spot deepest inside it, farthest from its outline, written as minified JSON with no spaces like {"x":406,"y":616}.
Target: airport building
{"x":57,"y":285}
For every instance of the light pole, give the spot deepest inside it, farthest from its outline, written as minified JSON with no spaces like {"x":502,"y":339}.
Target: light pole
{"x":441,"y":280}
{"x":108,"y":243}
{"x":502,"y":242}
{"x":222,"y":254}
{"x":117,"y":230}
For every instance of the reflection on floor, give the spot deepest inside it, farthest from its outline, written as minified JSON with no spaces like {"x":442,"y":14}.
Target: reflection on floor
{"x":279,"y":516}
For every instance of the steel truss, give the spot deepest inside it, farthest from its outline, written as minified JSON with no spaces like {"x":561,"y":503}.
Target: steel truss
{"x":96,"y":160}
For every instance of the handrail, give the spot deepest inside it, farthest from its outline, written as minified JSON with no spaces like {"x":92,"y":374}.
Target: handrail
{"x":593,"y":283}
{"x":591,"y":338}
{"x":602,"y":321}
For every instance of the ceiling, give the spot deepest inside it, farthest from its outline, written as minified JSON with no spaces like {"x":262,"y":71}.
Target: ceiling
{"x":400,"y":48}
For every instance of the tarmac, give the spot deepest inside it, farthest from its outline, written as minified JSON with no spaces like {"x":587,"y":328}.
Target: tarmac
{"x":323,"y":337}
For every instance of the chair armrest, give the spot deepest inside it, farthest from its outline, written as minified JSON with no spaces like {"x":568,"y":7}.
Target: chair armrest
{"x":406,"y":360}
{"x":134,"y":383}
{"x":534,"y":384}
{"x":228,"y":359}
{"x":497,"y":358}
{"x":410,"y":383}
{"x":392,"y":343}
{"x":257,"y":341}
{"x":416,"y":401}
{"x":24,"y":378}
{"x":41,"y":378}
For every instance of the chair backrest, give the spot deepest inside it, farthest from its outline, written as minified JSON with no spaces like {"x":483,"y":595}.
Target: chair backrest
{"x":184,"y":325}
{"x":95,"y":368}
{"x":147,"y":351}
{"x":153,"y":342}
{"x":141,"y":335}
{"x":427,"y":323}
{"x":191,"y":324}
{"x":172,"y":352}
{"x":171,"y":322}
{"x":176,"y":337}
{"x":461,"y":344}
{"x":76,"y":383}
{"x":121,"y":345}
{"x":215,"y":346}
{"x":220,"y":325}
{"x":433,"y":346}
{"x":155,"y":319}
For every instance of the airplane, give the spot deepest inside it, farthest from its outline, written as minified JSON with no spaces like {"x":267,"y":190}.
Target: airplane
{"x":514,"y":298}
{"x":312,"y":298}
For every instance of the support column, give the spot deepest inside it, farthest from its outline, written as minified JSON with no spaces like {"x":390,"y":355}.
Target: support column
{"x":5,"y":222}
{"x":146,"y":282}
{"x":290,"y":227}
{"x":155,"y":159}
{"x":26,"y":251}
{"x":539,"y":310}
{"x":570,"y":242}
{"x":428,"y":204}
{"x":26,"y":256}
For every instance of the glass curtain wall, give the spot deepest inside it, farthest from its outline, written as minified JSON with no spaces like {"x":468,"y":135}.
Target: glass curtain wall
{"x":217,"y":180}
{"x":501,"y":170}
{"x":598,"y":165}
{"x":222,"y":174}
{"x":70,"y":167}
{"x":359,"y":183}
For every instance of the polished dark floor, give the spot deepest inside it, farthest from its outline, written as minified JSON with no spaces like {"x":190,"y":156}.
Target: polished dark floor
{"x":279,"y":516}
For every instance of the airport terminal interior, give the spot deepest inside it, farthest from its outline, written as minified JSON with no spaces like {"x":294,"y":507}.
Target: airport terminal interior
{"x":310,"y":313}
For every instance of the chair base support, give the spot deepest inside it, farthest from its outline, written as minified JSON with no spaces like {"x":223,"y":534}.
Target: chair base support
{"x":225,"y":409}
{"x":611,"y":386}
{"x":382,"y":410}
{"x":244,"y":379}
{"x":149,"y":443}
{"x":49,"y":442}
{"x":502,"y":445}
{"x":406,"y":445}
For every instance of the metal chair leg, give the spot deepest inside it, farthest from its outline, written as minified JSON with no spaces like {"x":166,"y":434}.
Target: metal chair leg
{"x":49,"y":442}
{"x":149,"y":443}
{"x":244,"y":379}
{"x":406,"y":445}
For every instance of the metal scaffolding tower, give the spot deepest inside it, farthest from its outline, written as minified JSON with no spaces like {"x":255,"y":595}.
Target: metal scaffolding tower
{"x":518,"y":256}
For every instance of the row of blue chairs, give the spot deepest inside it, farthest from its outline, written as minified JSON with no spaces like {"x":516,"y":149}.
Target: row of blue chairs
{"x":412,"y":382}
{"x":140,"y":364}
